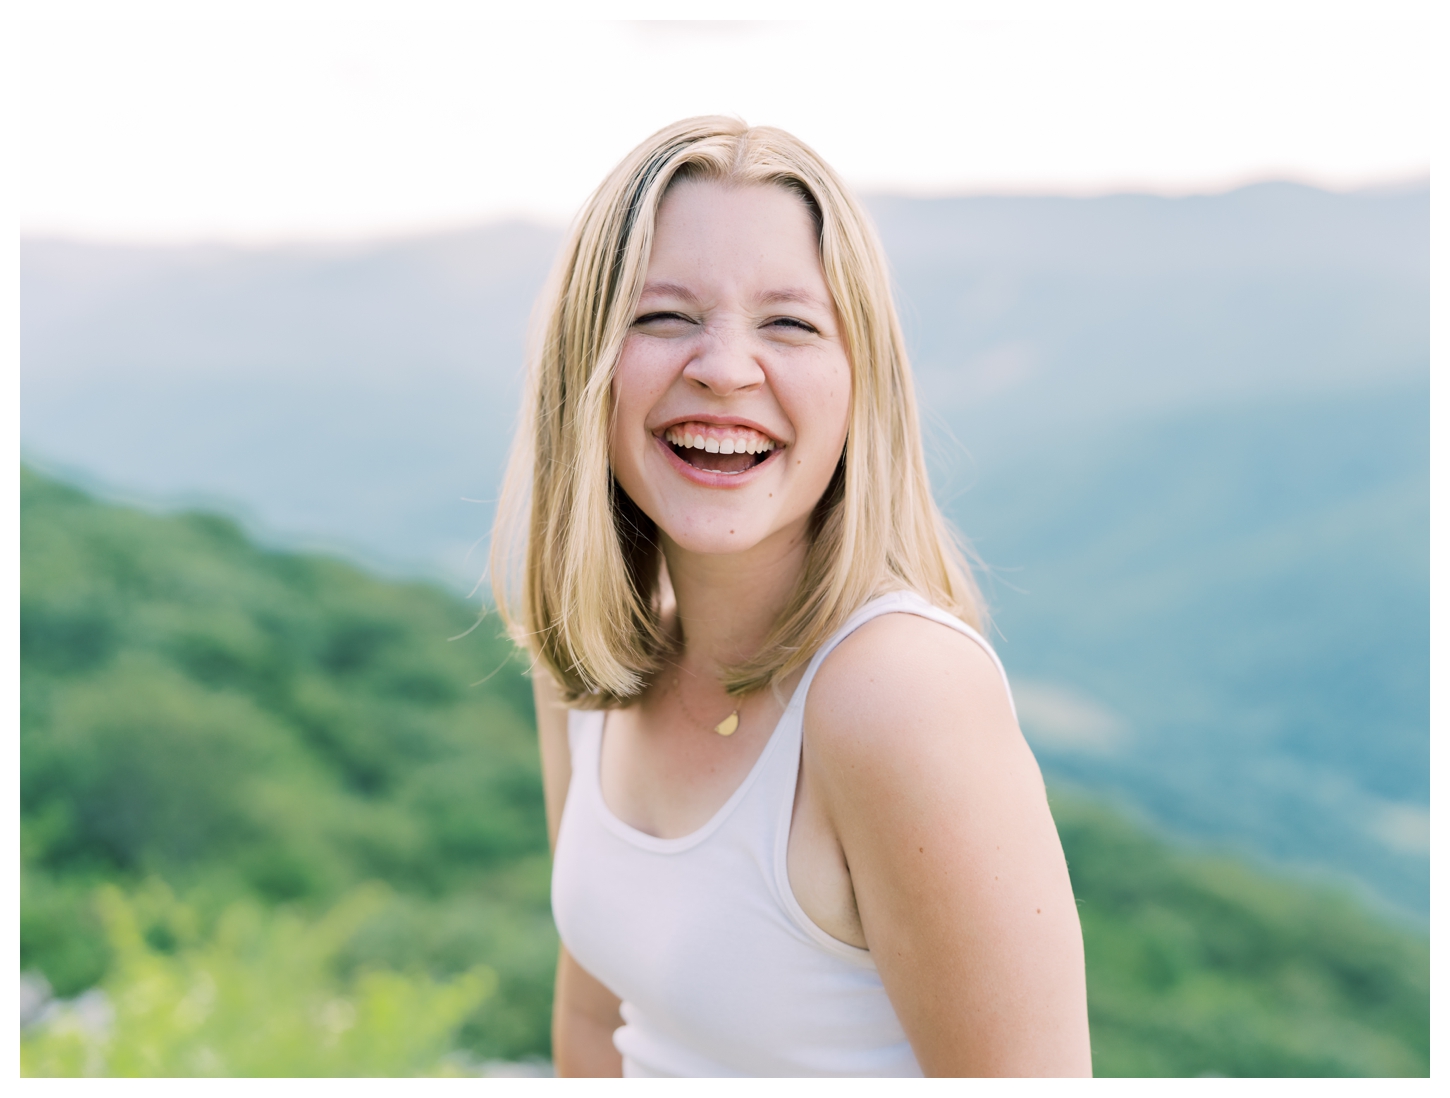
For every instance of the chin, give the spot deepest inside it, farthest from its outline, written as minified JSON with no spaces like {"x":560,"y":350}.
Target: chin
{"x":713,"y":541}
{"x":722,"y":534}
{"x":718,"y":547}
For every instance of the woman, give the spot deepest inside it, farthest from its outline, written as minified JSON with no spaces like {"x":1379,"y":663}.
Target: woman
{"x":796,"y":828}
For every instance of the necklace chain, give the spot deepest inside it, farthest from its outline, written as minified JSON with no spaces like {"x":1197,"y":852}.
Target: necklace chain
{"x":726,"y":727}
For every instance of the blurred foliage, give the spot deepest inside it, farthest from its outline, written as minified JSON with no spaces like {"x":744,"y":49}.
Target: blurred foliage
{"x":1199,"y":965}
{"x":256,"y":994}
{"x":289,"y":827}
{"x":255,"y":725}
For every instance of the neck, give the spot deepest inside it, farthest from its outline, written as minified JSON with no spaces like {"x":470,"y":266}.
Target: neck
{"x":726,"y":605}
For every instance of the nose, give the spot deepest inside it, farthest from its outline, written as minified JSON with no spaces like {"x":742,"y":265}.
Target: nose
{"x":725,"y":362}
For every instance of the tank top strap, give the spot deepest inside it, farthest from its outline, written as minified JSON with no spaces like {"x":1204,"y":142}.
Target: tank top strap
{"x":896,"y":602}
{"x":584,"y":730}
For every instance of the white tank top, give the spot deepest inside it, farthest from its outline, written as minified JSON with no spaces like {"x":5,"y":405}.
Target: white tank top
{"x":719,"y":970}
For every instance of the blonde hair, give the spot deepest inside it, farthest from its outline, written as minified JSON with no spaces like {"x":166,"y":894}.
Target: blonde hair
{"x":586,"y":604}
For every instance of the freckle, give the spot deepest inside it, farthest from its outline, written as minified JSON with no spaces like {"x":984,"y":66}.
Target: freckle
{"x":921,"y":850}
{"x":1039,"y":911}
{"x":732,"y":531}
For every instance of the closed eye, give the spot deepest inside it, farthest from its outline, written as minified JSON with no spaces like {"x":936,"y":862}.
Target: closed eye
{"x":656,"y":318}
{"x":791,"y":322}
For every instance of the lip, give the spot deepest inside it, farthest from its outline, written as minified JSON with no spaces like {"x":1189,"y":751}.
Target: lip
{"x":707,"y":478}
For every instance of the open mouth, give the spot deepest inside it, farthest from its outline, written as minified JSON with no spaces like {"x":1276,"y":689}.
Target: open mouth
{"x":719,"y":449}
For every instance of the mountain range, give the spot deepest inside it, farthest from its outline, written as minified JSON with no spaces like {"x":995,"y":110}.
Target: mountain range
{"x":1187,"y":438}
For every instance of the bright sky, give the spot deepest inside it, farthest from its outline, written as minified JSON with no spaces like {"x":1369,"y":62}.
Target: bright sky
{"x":266,"y":130}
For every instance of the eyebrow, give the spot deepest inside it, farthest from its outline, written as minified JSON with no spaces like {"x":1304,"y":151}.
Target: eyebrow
{"x":791,"y":297}
{"x":770,"y":297}
{"x":668,"y":289}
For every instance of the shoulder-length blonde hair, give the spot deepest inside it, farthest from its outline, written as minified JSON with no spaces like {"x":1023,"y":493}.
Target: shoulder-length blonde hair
{"x":575,"y":564}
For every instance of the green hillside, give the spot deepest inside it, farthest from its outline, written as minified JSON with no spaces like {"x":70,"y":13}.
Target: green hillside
{"x":290,"y":827}
{"x":1201,"y":965}
{"x":1247,"y":588}
{"x":248,"y":724}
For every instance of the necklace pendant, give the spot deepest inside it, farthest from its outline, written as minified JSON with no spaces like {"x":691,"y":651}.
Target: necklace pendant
{"x":728,"y":726}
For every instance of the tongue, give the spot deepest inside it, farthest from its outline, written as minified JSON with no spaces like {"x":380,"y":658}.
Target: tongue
{"x":718,"y":463}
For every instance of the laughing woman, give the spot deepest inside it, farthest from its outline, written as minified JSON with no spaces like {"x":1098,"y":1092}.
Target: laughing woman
{"x":796,"y":828}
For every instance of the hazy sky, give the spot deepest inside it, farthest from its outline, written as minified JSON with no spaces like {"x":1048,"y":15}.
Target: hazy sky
{"x":261,"y":131}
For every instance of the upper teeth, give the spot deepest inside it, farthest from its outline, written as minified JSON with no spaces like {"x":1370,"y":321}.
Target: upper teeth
{"x":754,"y":443}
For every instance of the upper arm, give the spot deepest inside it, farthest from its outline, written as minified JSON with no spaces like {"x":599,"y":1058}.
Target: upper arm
{"x":586,"y":1013}
{"x":955,"y":862}
{"x":552,"y":719}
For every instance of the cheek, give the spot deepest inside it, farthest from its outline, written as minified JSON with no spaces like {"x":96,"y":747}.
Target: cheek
{"x":820,"y":406}
{"x":641,"y":379}
{"x":818,"y":403}
{"x":630,"y":396}
{"x":642,"y":375}
{"x":840,"y":405}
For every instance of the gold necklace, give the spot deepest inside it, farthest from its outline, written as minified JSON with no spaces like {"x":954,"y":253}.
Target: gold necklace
{"x":726,"y":727}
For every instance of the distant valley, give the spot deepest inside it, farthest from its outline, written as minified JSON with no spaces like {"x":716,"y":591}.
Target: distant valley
{"x":1189,"y":437}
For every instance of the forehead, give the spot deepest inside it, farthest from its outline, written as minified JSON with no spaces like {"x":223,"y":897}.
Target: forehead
{"x":760,"y":229}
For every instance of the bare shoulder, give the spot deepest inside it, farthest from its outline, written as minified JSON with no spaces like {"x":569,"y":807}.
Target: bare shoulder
{"x":902,"y":680}
{"x":955,"y":865}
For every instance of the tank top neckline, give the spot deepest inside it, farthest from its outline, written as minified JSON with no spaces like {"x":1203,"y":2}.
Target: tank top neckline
{"x":594,"y":758}
{"x":784,"y":729}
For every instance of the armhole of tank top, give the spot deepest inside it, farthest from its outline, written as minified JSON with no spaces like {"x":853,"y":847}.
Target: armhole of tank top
{"x":904,"y":602}
{"x":797,"y":713}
